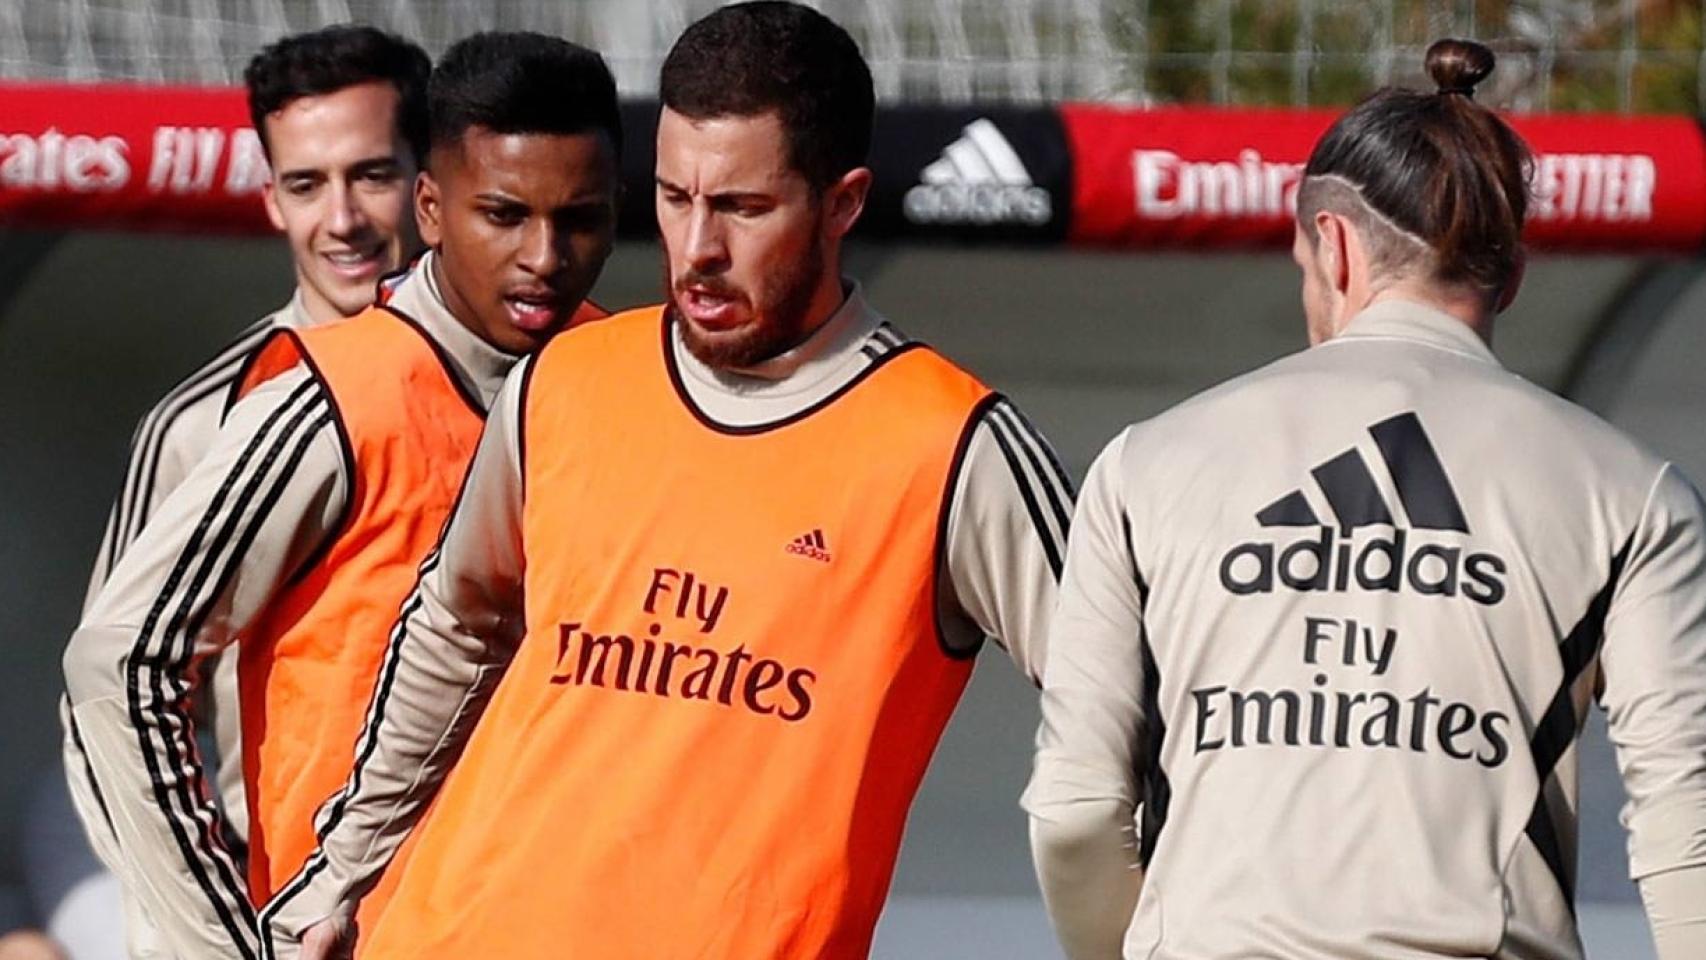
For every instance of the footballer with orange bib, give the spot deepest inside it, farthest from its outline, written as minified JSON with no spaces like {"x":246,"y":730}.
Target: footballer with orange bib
{"x":341,"y":114}
{"x":301,"y":533}
{"x":714,"y":584}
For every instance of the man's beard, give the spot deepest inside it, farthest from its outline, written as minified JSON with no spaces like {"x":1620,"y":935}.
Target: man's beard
{"x":777,"y":329}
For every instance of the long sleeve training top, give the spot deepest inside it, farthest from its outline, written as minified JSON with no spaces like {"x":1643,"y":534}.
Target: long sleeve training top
{"x":1328,"y":633}
{"x":268,"y":492}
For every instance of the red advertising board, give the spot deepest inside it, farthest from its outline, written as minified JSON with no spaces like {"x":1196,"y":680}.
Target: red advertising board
{"x":134,"y":157}
{"x":1197,"y":177}
{"x":106,"y":156}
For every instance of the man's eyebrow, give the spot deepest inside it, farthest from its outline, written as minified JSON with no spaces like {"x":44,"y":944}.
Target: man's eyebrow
{"x":502,"y":198}
{"x":735,"y":194}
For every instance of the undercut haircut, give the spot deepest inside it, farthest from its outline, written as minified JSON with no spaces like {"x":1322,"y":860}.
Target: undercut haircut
{"x":1436,"y":168}
{"x":772,"y":56}
{"x":328,"y":60}
{"x":522,"y":83}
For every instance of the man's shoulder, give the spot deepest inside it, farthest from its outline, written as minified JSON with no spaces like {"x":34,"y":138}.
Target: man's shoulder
{"x":197,"y":403}
{"x":599,"y":334}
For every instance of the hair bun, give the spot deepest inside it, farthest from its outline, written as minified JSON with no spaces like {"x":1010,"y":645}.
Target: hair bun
{"x":1458,"y":65}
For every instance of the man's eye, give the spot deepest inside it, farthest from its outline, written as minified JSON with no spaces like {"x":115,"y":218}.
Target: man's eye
{"x":299,"y":188}
{"x":501,"y":217}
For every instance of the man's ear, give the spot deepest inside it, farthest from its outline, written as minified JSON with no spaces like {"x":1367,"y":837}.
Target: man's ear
{"x":1332,"y":250}
{"x":269,"y":200}
{"x":845,"y":200}
{"x":429,"y":209}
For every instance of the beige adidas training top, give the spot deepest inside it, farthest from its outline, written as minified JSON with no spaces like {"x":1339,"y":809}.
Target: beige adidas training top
{"x":1335,"y":626}
{"x":170,"y":439}
{"x":186,"y":584}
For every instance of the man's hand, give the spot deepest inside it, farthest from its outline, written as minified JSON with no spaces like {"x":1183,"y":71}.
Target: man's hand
{"x":326,"y":940}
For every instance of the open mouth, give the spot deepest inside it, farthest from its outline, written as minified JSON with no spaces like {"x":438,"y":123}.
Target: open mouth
{"x":533,"y":312}
{"x":714,"y":309}
{"x":356,"y":264}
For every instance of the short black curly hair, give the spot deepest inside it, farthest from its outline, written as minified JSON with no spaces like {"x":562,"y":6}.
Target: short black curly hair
{"x":330,"y":59}
{"x":753,"y":58}
{"x":522,"y":82}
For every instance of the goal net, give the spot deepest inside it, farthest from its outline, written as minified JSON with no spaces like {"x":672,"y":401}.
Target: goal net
{"x":1620,"y":55}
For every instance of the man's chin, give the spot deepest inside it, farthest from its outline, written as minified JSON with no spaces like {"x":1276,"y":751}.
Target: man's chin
{"x":347,"y":300}
{"x":722,"y":349}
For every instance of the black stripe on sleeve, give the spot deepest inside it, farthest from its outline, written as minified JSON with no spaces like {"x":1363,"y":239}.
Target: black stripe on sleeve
{"x":305,"y":405}
{"x":346,"y":450}
{"x":1029,"y":430}
{"x":1015,"y":456}
{"x":332,"y":811}
{"x":1157,"y":788}
{"x":88,"y":768}
{"x":1559,"y":725}
{"x":148,"y":448}
{"x":131,"y":507}
{"x":1050,"y":546}
{"x":1051,"y":478}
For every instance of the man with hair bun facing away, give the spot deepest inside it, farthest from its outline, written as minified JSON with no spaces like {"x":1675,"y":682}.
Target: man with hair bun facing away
{"x":1333,"y":626}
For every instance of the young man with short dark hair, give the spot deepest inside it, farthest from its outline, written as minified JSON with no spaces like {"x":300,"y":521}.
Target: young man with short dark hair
{"x":301,"y":530}
{"x":731,"y":558}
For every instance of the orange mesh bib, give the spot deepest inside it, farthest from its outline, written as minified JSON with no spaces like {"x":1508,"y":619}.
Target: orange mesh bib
{"x":731,"y":682}
{"x":307,"y":667}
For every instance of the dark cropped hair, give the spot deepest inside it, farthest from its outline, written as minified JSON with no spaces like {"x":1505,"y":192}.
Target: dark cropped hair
{"x":328,"y":60}
{"x":522,"y":82}
{"x":753,"y":58}
{"x":1438,"y":166}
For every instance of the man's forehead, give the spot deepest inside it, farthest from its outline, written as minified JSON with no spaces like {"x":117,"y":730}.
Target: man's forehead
{"x":729,"y":153}
{"x":352,"y":124}
{"x":528,"y":164}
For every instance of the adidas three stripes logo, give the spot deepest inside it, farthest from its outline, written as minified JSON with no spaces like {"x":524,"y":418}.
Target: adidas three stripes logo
{"x":1350,"y":489}
{"x":810,"y":545}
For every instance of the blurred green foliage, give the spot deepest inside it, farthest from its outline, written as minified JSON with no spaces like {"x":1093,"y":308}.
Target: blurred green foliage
{"x":1641,"y":56}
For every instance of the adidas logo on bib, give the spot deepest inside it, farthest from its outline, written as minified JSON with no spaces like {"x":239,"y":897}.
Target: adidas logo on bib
{"x":810,"y":545}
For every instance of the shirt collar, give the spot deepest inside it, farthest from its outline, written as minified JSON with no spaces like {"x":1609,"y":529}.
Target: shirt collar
{"x":1408,"y":320}
{"x":481,"y":366}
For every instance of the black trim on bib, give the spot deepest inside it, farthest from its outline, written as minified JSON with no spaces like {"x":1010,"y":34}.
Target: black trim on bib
{"x":705,"y":420}
{"x":449,"y":365}
{"x":939,"y":559}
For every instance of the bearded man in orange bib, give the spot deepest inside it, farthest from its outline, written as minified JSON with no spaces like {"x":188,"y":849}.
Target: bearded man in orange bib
{"x":714,"y":584}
